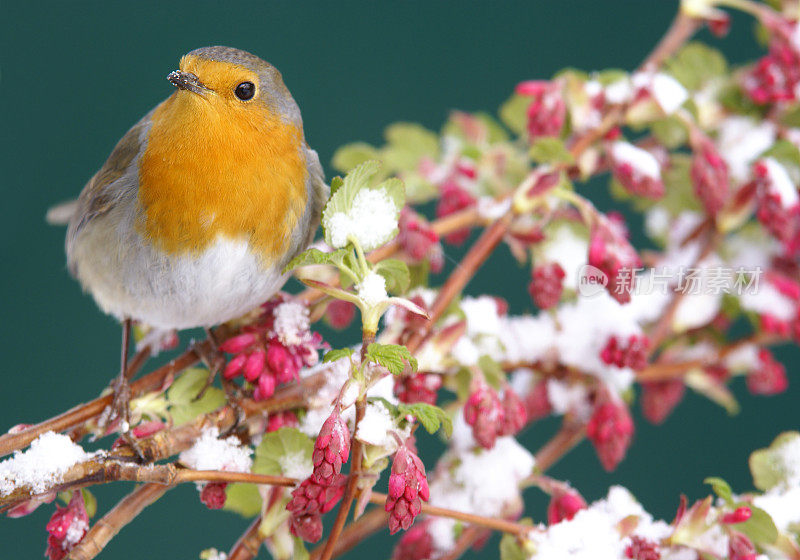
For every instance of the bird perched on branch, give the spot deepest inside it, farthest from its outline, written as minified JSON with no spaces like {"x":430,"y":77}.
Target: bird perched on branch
{"x":193,"y":216}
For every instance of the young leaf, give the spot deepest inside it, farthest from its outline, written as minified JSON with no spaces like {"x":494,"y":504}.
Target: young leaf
{"x":336,"y":354}
{"x":300,"y":550}
{"x":431,"y":417}
{"x":315,"y":256}
{"x":407,"y":144}
{"x":336,"y":182}
{"x":550,"y":150}
{"x":492,"y":372}
{"x":342,"y":199}
{"x":391,"y":356}
{"x":720,"y":487}
{"x":760,"y":527}
{"x":514,"y":113}
{"x":283,"y":449}
{"x":181,"y":397}
{"x":695,"y":64}
{"x":243,"y":499}
{"x":510,"y":548}
{"x":396,"y":274}
{"x":767,"y":465}
{"x":351,"y":155}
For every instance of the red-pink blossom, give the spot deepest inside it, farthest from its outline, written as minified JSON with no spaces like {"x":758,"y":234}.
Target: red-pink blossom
{"x":769,"y":377}
{"x":547,"y":110}
{"x":611,"y":252}
{"x":408,"y":488}
{"x":537,"y":402}
{"x":453,"y":199}
{"x":642,"y":549}
{"x":316,"y":497}
{"x":547,"y":283}
{"x":781,"y":218}
{"x":564,"y":504}
{"x":340,"y":314}
{"x":331,"y":449}
{"x":213,"y":495}
{"x":514,"y":414}
{"x":739,"y":515}
{"x":420,"y":387}
{"x":659,"y":398}
{"x":636,"y":181}
{"x":610,"y":429}
{"x":484,"y":412}
{"x":740,"y":547}
{"x":415,"y":544}
{"x":631,"y":352}
{"x":710,"y":177}
{"x":280,"y":420}
{"x":775,"y":77}
{"x":418,"y":240}
{"x":66,"y":527}
{"x":281,"y":363}
{"x":308,"y":527}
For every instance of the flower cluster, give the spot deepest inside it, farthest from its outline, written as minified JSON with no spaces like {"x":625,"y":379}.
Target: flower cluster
{"x":272,"y":351}
{"x":408,"y":488}
{"x":66,"y":527}
{"x":491,"y":417}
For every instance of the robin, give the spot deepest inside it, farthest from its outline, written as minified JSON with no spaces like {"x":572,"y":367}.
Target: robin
{"x":193,"y":216}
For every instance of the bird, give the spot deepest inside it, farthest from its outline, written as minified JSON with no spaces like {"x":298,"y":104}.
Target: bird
{"x":200,"y":206}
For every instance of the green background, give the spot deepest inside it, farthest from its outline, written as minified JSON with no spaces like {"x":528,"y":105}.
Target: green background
{"x":76,"y":75}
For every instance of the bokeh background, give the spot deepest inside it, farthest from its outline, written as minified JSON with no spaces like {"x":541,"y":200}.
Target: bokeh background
{"x":75,"y":75}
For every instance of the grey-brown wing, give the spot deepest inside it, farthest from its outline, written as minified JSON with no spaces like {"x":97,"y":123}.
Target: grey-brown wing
{"x":116,"y":179}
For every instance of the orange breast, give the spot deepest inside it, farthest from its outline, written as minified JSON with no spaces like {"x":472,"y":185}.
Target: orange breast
{"x":211,"y":169}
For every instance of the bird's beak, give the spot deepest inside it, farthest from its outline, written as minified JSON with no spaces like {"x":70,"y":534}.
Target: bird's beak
{"x":188,"y":81}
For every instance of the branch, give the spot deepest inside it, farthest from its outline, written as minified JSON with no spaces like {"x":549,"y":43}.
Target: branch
{"x":246,"y":548}
{"x":123,"y":513}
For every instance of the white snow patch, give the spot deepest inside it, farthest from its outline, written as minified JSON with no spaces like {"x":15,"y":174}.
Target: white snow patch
{"x":780,"y":183}
{"x":209,"y":453}
{"x":641,"y":160}
{"x":768,"y":300}
{"x":373,"y":288}
{"x":668,"y":93}
{"x":291,"y":322}
{"x":569,"y":250}
{"x":42,"y":465}
{"x":741,"y":140}
{"x":371,"y":220}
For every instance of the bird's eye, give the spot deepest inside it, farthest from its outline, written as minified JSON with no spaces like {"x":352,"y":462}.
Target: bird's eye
{"x":245,"y":91}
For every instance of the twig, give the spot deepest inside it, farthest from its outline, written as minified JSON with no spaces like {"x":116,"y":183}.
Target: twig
{"x":123,"y":513}
{"x":567,"y":437}
{"x":352,"y":535}
{"x":246,"y":548}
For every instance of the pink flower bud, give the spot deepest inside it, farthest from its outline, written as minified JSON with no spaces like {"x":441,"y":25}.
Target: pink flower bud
{"x":710,"y":177}
{"x":238,"y":343}
{"x":610,"y":429}
{"x":213,"y":495}
{"x":415,"y":544}
{"x":769,"y":378}
{"x":630,"y":353}
{"x":778,"y":207}
{"x":420,"y":387}
{"x":331,"y":449}
{"x":281,"y":363}
{"x":719,"y":25}
{"x":340,"y":314}
{"x":316,"y":497}
{"x":514,"y":414}
{"x":307,"y":527}
{"x":66,"y":527}
{"x":659,"y":399}
{"x":279,"y":420}
{"x":265,"y":387}
{"x":418,"y":240}
{"x":610,"y":252}
{"x":642,"y":549}
{"x":255,"y":365}
{"x":546,"y":285}
{"x":773,"y":325}
{"x":637,"y":170}
{"x":408,"y":488}
{"x":484,"y":413}
{"x":740,"y":547}
{"x":739,"y":515}
{"x":547,"y":111}
{"x":564,"y":505}
{"x":234,"y":367}
{"x":452,"y":200}
{"x":537,"y":403}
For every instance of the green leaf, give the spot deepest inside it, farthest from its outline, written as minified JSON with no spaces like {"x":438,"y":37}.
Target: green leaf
{"x":611,"y":76}
{"x":492,"y":371}
{"x":181,"y":396}
{"x":496,"y":131}
{"x":351,"y":155}
{"x":342,"y":199}
{"x":336,"y":182}
{"x":550,"y":150}
{"x":514,"y":113}
{"x":300,"y":550}
{"x":720,"y":487}
{"x":695,"y":64}
{"x":510,"y":548}
{"x":768,"y":466}
{"x":391,"y":356}
{"x":396,"y":274}
{"x":787,"y":154}
{"x":337,"y":354}
{"x":431,"y":417}
{"x":679,"y":195}
{"x":670,"y":131}
{"x":760,"y":527}
{"x":791,"y":117}
{"x":315,"y":256}
{"x":243,"y":499}
{"x":281,"y":451}
{"x":407,"y":144}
